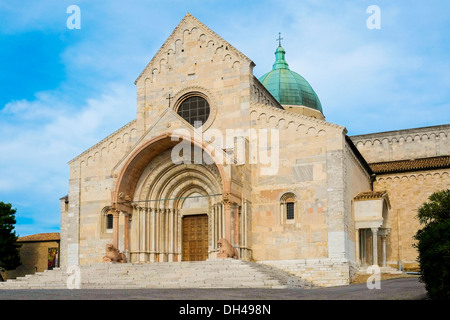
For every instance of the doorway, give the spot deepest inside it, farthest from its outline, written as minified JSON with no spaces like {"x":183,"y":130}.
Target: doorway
{"x":195,"y":238}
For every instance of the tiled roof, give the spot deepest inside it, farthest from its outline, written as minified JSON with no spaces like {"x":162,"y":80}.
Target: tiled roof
{"x":369,"y":195}
{"x":51,"y":236}
{"x":411,"y":165}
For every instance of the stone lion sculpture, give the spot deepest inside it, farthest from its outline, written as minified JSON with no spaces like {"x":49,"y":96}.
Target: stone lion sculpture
{"x":226,"y":250}
{"x":114,"y":255}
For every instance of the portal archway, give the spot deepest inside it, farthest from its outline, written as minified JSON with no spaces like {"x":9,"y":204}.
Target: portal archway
{"x":150,"y":190}
{"x":166,"y":223}
{"x":133,"y":167}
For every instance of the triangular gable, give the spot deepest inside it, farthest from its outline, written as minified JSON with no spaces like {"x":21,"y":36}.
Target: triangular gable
{"x":188,"y":23}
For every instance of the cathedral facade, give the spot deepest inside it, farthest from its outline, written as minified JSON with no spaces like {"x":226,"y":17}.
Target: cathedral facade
{"x":215,"y":153}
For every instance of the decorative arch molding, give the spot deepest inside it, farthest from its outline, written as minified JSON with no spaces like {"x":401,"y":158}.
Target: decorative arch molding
{"x":134,"y":166}
{"x":282,"y":196}
{"x":402,"y":139}
{"x":191,"y":27}
{"x":405,"y":177}
{"x":119,"y":139}
{"x":285,"y":119}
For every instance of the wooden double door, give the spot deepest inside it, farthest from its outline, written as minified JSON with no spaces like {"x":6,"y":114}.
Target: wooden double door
{"x":195,"y":237}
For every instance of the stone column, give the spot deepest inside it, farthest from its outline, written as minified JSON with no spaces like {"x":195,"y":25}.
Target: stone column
{"x":143,"y":233}
{"x":244,"y":224}
{"x":213,"y":227}
{"x":220,"y":222}
{"x":171,"y":234}
{"x":175,"y":234}
{"x":162,"y":236}
{"x":383,"y":232}
{"x":147,"y":233}
{"x":236,"y":225}
{"x":383,"y":242}
{"x":227,"y":217}
{"x":115,"y":228}
{"x":374,"y":246}
{"x":157,"y":233}
{"x":127,"y":233}
{"x":152,"y":235}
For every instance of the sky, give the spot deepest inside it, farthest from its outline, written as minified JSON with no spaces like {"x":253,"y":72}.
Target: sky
{"x":63,"y":89}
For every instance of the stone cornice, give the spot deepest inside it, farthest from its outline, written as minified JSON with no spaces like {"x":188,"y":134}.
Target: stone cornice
{"x":406,"y":176}
{"x":258,"y":106}
{"x":397,"y":135}
{"x":129,"y":125}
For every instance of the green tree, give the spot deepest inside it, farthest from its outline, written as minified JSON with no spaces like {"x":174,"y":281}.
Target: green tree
{"x":434,"y":245}
{"x":9,"y":248}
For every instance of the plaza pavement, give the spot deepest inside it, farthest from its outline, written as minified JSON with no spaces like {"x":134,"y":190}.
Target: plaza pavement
{"x":393,"y":289}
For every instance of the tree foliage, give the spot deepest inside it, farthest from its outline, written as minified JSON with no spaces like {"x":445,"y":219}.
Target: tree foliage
{"x":9,"y":248}
{"x":434,"y":245}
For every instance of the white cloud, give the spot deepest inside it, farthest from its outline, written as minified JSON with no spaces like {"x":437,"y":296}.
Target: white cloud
{"x":34,"y":172}
{"x":36,"y":151}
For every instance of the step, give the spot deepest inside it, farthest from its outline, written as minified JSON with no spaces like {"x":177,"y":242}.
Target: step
{"x":207,"y":274}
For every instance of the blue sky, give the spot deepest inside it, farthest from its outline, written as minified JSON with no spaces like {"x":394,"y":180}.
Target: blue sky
{"x":62,"y":90}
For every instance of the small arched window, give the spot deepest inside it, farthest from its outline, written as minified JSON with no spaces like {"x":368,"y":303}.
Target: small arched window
{"x":288,"y":207}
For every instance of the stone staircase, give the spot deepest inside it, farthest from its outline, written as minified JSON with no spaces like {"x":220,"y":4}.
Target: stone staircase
{"x":226,"y":273}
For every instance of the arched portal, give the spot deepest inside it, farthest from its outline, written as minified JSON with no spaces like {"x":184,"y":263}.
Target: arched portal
{"x":160,"y":196}
{"x":175,"y":206}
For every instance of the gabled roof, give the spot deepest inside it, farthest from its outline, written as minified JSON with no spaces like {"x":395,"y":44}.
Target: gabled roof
{"x":190,"y":18}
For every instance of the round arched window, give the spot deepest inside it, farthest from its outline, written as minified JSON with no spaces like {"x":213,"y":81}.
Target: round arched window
{"x":194,"y":110}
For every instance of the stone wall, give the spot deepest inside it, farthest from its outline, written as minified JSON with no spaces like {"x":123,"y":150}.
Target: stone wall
{"x":404,"y":144}
{"x":318,"y":166}
{"x":323,"y":272}
{"x":407,"y":192}
{"x":91,"y":182}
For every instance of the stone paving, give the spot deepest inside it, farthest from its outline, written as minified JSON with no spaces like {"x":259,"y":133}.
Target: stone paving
{"x":394,"y":289}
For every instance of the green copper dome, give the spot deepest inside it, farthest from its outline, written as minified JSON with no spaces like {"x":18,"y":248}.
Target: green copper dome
{"x":288,"y":87}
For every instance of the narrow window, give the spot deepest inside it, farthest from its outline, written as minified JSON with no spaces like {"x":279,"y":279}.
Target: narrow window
{"x":290,"y":210}
{"x":287,"y":206}
{"x":109,"y":221}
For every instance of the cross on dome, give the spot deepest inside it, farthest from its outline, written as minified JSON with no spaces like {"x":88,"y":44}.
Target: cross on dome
{"x":279,"y":39}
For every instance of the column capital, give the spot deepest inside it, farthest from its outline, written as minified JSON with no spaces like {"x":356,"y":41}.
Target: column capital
{"x":383,"y":232}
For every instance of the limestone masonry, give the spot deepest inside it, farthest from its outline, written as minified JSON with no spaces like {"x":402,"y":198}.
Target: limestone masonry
{"x":282,"y":185}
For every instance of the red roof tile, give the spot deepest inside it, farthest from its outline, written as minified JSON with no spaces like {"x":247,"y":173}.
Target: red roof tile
{"x":51,"y":236}
{"x":411,"y":165}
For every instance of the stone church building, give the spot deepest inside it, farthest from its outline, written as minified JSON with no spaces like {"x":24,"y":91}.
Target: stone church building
{"x":215,"y":153}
